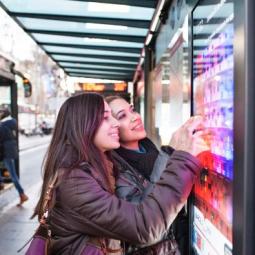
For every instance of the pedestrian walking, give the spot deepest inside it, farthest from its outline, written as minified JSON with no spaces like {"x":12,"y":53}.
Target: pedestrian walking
{"x":8,"y":127}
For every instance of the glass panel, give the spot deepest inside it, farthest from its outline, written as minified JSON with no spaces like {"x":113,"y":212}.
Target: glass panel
{"x":83,"y":41}
{"x":213,"y":83}
{"x":57,"y":25}
{"x":85,"y":51}
{"x":66,"y":64}
{"x":73,"y":70}
{"x":172,"y":85}
{"x":58,"y":57}
{"x":77,"y":8}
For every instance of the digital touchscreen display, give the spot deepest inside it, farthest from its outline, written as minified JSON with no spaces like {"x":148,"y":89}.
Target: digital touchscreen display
{"x":213,"y":91}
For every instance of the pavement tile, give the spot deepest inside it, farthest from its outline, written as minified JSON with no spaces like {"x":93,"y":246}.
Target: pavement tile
{"x":16,"y":226}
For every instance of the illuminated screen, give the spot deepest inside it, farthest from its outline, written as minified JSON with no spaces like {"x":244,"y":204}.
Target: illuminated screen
{"x":213,"y":84}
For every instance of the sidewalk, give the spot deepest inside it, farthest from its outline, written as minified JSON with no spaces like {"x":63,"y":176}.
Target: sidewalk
{"x":16,"y":227}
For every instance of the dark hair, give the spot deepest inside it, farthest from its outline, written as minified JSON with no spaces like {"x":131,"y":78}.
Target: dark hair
{"x":5,"y":112}
{"x":109,"y":99}
{"x":73,"y":140}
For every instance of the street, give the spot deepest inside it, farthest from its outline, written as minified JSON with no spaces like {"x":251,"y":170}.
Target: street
{"x":16,"y":227}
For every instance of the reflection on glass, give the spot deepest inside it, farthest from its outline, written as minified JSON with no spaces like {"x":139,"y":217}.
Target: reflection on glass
{"x":5,"y":96}
{"x":172,"y":85}
{"x":213,"y":99}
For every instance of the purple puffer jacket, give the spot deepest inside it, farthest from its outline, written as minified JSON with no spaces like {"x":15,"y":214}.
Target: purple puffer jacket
{"x":84,"y":208}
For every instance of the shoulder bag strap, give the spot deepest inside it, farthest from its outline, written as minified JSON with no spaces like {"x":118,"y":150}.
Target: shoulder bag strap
{"x":48,"y":197}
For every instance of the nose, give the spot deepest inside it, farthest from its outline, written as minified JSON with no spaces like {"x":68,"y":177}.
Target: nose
{"x":115,"y":123}
{"x":133,"y":118}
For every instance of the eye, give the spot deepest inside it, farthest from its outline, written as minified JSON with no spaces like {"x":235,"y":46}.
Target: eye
{"x":106,"y":117}
{"x":121,"y":116}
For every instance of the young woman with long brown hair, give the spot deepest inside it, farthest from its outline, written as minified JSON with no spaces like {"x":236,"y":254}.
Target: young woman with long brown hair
{"x":138,"y":156}
{"x":86,"y":217}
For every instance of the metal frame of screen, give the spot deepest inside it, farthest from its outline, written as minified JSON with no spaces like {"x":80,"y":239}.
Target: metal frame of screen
{"x":244,"y":126}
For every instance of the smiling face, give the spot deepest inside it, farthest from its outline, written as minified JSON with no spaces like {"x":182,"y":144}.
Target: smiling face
{"x":131,"y":125}
{"x":107,"y":135}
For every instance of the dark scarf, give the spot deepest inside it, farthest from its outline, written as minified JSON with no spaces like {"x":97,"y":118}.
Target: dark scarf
{"x":142,"y":162}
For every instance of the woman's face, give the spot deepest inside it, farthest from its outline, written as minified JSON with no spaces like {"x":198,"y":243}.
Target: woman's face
{"x":131,"y":125}
{"x":107,"y":135}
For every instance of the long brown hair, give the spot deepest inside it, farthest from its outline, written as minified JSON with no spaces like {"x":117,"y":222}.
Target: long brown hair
{"x":73,"y":140}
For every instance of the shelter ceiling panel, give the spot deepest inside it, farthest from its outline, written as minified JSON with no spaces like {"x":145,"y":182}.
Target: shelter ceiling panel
{"x":116,"y":37}
{"x":101,"y":76}
{"x":100,"y":64}
{"x":92,"y":47}
{"x":105,"y":37}
{"x":78,"y":8}
{"x":141,"y":3}
{"x":71,"y":50}
{"x":127,"y":59}
{"x":94,"y":66}
{"x":94,"y":60}
{"x":45,"y":38}
{"x":84,"y":19}
{"x":96,"y":71}
{"x":57,"y":25}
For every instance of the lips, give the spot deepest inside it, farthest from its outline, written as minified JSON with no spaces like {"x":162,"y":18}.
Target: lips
{"x":114,"y":134}
{"x":138,"y":127}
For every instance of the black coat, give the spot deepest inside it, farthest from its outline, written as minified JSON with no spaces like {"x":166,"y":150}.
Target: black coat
{"x":8,"y":139}
{"x":143,"y":170}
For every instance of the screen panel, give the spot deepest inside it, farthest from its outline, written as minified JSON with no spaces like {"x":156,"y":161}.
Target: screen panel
{"x":213,"y":92}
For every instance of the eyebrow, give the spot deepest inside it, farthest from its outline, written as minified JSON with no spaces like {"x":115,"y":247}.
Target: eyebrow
{"x":123,"y":110}
{"x":120,"y":112}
